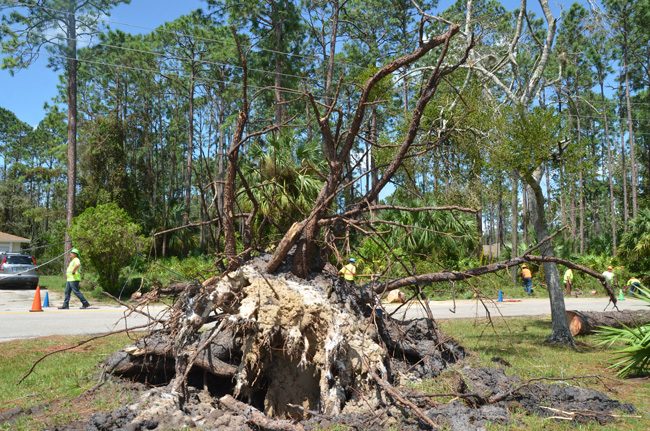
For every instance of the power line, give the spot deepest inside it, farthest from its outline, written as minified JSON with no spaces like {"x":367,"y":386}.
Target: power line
{"x":156,"y":72}
{"x":601,"y":102}
{"x":17,"y":3}
{"x":188,"y":59}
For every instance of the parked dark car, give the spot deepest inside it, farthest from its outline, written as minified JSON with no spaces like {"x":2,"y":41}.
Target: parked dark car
{"x":18,"y":271}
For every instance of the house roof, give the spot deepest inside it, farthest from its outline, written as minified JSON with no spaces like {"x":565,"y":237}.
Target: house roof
{"x":7,"y":237}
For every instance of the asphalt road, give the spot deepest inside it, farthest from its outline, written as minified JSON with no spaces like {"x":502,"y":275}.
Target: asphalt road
{"x":522,"y":307}
{"x":16,"y":321}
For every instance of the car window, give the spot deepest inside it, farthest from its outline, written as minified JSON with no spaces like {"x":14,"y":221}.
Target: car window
{"x":19,"y":260}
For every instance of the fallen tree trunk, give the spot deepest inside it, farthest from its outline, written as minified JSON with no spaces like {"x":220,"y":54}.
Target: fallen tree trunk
{"x":586,"y":322}
{"x":438,"y":277}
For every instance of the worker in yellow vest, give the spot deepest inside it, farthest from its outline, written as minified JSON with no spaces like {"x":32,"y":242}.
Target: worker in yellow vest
{"x":349,"y":271}
{"x":568,"y":281}
{"x":633,"y":285}
{"x":73,"y":277}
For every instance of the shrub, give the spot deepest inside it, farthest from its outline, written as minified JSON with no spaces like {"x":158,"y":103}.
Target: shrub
{"x":634,"y":249}
{"x":108,"y":240}
{"x":166,"y":271}
{"x":634,"y":358}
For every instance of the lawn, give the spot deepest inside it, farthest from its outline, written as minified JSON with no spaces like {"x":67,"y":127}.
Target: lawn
{"x":520,"y":342}
{"x":57,"y":390}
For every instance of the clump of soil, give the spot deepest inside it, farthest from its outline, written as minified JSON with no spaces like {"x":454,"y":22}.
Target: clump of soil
{"x":257,"y":351}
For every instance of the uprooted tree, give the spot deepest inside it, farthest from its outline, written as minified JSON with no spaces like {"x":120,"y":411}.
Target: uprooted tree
{"x":276,"y":337}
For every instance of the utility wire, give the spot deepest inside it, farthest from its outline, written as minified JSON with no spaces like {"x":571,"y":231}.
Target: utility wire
{"x":156,"y":72}
{"x":187,"y":59}
{"x":177,"y":33}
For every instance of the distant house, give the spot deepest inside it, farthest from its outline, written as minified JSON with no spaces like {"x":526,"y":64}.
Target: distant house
{"x":492,"y":251}
{"x":11,"y":243}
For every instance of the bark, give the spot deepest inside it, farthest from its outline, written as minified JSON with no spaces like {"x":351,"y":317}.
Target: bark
{"x":333,"y":36}
{"x":587,"y":322}
{"x":190,"y":149}
{"x":560,"y":332}
{"x":626,"y":214}
{"x":610,"y":167}
{"x":230,"y":247}
{"x":630,"y":131}
{"x":525,"y":213}
{"x":514,"y":232}
{"x":581,"y":210}
{"x":71,"y":51}
{"x":278,"y":25}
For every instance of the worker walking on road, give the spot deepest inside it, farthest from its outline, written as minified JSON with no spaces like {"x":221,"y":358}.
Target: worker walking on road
{"x":568,"y":281}
{"x":73,"y":277}
{"x":527,"y":278}
{"x":349,"y":271}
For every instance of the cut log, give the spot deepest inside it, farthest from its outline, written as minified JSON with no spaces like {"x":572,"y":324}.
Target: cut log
{"x":586,"y":322}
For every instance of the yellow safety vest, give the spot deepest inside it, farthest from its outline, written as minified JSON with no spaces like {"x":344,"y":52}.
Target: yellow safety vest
{"x":69,"y":276}
{"x":348,"y":272}
{"x":568,"y":276}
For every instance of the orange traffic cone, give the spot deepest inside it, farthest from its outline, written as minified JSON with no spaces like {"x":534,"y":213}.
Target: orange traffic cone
{"x":36,"y":304}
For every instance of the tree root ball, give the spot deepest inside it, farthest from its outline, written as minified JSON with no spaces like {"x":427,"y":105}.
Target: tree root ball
{"x":257,"y":351}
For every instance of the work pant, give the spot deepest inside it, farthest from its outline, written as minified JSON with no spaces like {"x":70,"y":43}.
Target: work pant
{"x":73,"y":286}
{"x":528,"y":285}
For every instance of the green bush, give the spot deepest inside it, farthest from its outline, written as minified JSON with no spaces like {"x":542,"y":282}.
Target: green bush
{"x":634,"y":249}
{"x":169,"y":270}
{"x":108,"y":241}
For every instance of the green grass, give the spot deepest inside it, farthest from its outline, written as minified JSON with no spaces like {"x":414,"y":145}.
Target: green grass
{"x":520,"y":341}
{"x":56,"y":388}
{"x":55,"y":283}
{"x":60,"y":381}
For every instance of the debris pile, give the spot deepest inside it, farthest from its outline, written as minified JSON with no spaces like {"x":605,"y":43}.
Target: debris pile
{"x":257,"y":351}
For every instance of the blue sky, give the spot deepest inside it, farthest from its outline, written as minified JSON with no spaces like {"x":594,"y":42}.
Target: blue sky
{"x":28,"y":90}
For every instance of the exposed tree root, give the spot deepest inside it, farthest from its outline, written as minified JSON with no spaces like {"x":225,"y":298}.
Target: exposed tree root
{"x":252,"y":351}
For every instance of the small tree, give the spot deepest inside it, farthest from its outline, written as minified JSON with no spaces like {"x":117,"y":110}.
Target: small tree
{"x":634,"y":250}
{"x":108,"y":240}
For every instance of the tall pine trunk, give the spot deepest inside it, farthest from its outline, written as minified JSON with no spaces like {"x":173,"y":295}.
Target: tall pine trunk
{"x":72,"y":121}
{"x":610,"y":166}
{"x":630,"y":131}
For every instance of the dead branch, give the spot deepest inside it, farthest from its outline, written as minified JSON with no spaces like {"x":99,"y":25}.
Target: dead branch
{"x":359,"y":210}
{"x":390,"y":390}
{"x":81,"y":343}
{"x":439,"y":277}
{"x":133,"y":308}
{"x":256,"y":417}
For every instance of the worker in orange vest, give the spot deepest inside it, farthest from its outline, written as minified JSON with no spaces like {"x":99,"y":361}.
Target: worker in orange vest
{"x":527,"y":278}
